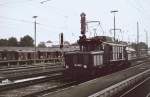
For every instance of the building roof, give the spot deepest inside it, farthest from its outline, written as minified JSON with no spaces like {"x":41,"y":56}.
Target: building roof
{"x":114,"y":44}
{"x":130,"y":49}
{"x":31,"y":49}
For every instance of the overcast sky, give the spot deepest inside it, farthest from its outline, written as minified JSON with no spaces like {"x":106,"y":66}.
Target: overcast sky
{"x":56,"y":16}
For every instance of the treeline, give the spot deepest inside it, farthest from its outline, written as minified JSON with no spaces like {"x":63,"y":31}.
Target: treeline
{"x":140,"y":45}
{"x":25,"y":41}
{"x":28,"y":41}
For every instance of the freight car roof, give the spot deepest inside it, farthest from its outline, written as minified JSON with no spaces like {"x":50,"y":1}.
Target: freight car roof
{"x":130,"y":49}
{"x":81,"y":52}
{"x":31,"y":49}
{"x":114,"y":44}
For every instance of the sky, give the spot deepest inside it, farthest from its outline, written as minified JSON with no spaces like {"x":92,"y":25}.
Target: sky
{"x":56,"y":16}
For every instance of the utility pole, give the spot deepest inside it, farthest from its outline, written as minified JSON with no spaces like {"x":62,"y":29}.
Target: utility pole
{"x":147,"y":39}
{"x":137,"y":39}
{"x":61,"y":38}
{"x":35,"y":38}
{"x":146,"y":34}
{"x":114,"y":12}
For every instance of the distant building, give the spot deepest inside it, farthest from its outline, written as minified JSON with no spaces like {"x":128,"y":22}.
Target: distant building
{"x":24,"y":53}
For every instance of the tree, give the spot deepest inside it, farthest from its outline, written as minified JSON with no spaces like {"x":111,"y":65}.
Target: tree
{"x":49,"y":41}
{"x":140,"y":45}
{"x":134,"y":45}
{"x":66,"y":43}
{"x":143,"y":45}
{"x":74,"y":44}
{"x":3,"y":42}
{"x":26,"y":41}
{"x":41,"y":44}
{"x":12,"y":41}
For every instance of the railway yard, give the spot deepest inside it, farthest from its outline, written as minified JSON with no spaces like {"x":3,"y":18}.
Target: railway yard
{"x":95,"y":63}
{"x":47,"y":80}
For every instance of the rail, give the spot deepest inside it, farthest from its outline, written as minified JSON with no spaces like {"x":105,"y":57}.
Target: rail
{"x":112,"y":90}
{"x":30,"y":61}
{"x":28,"y":81}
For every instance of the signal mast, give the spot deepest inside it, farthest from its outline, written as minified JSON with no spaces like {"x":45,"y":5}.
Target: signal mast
{"x":87,"y":44}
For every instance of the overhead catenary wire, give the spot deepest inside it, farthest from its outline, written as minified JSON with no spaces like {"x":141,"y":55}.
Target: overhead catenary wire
{"x":14,"y":2}
{"x":139,"y":8}
{"x":42,"y":2}
{"x":102,"y":29}
{"x":41,"y":26}
{"x":61,"y":12}
{"x":31,"y":3}
{"x":94,"y":28}
{"x":14,"y":19}
{"x":26,"y":21}
{"x":141,"y":11}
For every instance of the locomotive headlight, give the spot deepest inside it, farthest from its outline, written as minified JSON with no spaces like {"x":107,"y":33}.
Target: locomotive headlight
{"x":85,"y":66}
{"x":66,"y":66}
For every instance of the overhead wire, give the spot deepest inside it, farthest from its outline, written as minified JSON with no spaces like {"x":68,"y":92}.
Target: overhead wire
{"x":42,"y":2}
{"x":13,"y":19}
{"x":57,"y":11}
{"x":102,"y":29}
{"x":14,"y":2}
{"x":60,"y":11}
{"x":140,"y":9}
{"x":26,"y":21}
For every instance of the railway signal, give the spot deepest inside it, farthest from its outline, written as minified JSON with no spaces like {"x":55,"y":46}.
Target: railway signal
{"x":83,"y":23}
{"x":61,"y":40}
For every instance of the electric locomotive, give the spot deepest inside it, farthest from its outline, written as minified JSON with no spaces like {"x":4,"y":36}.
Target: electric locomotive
{"x":96,"y":56}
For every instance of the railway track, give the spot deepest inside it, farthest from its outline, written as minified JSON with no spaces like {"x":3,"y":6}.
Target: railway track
{"x":15,"y":63}
{"x":20,"y":72}
{"x":99,"y":84}
{"x":32,"y":88}
{"x":26,"y":67}
{"x":52,"y":89}
{"x":42,"y":87}
{"x":26,"y":72}
{"x":29,"y":81}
